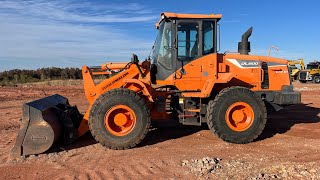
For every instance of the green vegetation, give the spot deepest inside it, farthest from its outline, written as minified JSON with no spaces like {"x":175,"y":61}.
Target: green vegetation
{"x":16,"y":76}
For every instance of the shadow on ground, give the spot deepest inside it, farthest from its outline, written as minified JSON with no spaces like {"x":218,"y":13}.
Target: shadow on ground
{"x":163,"y":130}
{"x":282,"y":121}
{"x":85,"y":140}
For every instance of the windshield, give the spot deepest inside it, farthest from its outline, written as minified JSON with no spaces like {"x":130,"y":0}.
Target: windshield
{"x":293,"y":67}
{"x":312,"y":66}
{"x":162,"y":48}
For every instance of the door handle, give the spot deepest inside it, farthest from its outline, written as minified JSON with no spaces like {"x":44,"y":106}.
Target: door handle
{"x":262,"y":75}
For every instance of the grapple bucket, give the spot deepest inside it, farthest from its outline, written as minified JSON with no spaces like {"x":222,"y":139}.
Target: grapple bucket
{"x":45,"y":122}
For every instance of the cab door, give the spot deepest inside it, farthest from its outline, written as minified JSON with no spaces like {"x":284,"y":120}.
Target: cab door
{"x":187,"y":51}
{"x":163,"y":66}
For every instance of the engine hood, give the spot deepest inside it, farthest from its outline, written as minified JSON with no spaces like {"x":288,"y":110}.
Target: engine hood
{"x":257,"y":58}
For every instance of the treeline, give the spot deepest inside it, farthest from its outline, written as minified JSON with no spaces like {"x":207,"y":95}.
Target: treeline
{"x":17,"y":76}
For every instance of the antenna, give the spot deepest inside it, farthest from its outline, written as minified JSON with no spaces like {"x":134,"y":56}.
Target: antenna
{"x":272,"y":47}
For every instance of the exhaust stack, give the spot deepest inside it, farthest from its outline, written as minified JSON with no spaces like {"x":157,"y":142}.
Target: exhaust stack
{"x":244,"y":45}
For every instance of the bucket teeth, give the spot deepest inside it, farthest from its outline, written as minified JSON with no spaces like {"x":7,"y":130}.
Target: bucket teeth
{"x":44,"y":122}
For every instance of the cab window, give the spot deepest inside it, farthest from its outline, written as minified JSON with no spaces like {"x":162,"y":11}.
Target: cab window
{"x":208,"y":37}
{"x":162,"y":48}
{"x":188,"y":41}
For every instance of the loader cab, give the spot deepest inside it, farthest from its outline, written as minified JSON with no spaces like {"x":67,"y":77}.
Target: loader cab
{"x":181,"y":39}
{"x":313,"y":66}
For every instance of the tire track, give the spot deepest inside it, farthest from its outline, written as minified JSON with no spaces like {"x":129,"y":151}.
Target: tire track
{"x":100,"y":168}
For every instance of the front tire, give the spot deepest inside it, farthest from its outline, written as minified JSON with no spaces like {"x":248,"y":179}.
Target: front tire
{"x":119,"y":119}
{"x":316,"y":79}
{"x":236,"y":115}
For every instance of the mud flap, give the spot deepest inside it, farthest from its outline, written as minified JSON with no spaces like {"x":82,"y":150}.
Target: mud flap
{"x":45,"y":122}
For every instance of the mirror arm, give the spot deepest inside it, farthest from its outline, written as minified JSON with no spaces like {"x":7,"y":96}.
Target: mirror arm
{"x":183,"y":71}
{"x":135,"y":60}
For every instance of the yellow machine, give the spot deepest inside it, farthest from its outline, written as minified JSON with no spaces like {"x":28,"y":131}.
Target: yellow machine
{"x":311,"y":73}
{"x":294,"y":69}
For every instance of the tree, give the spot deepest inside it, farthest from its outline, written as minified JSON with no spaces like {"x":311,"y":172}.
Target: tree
{"x":6,"y":80}
{"x":23,"y":78}
{"x":16,"y":78}
{"x":65,"y":73}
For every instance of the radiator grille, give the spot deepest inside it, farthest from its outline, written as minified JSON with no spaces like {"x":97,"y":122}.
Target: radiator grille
{"x":303,"y":75}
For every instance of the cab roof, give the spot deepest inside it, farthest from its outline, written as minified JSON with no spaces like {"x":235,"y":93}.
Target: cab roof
{"x":314,"y":63}
{"x":170,"y":15}
{"x":192,"y":16}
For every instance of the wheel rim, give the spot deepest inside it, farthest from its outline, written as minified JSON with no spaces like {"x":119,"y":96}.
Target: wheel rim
{"x":239,"y":116}
{"x":120,"y":120}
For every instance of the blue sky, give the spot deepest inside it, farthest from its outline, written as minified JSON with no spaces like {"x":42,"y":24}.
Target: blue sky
{"x":39,"y":33}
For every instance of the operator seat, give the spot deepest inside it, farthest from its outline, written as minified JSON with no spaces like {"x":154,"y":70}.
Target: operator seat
{"x":194,"y":50}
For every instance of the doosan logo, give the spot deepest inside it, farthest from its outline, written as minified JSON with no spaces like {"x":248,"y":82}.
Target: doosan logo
{"x":249,"y":63}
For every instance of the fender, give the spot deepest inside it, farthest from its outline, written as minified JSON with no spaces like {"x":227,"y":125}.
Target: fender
{"x":93,"y":91}
{"x":138,"y":85}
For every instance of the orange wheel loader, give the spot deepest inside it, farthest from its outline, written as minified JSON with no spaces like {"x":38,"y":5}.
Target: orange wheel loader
{"x":184,"y":79}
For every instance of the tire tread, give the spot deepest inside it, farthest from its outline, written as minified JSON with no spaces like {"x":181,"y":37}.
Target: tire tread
{"x":212,"y":112}
{"x":96,"y":132}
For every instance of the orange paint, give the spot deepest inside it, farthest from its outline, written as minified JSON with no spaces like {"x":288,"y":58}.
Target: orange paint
{"x":120,"y":120}
{"x":205,"y":76}
{"x":239,"y":116}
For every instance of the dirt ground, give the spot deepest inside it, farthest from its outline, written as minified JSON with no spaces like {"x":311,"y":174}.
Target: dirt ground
{"x":288,"y":149}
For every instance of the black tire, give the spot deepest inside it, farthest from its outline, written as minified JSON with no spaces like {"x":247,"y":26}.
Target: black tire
{"x":302,"y":81}
{"x":316,"y":79}
{"x":217,"y":110}
{"x":113,"y":98}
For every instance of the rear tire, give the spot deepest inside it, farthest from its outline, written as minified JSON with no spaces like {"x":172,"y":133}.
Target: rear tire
{"x":236,"y":115}
{"x":110,"y":109}
{"x":316,"y":79}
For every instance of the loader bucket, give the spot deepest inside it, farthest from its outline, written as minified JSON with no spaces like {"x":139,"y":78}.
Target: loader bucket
{"x":45,"y":122}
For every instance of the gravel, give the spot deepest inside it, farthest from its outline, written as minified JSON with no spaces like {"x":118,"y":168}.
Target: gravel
{"x":203,"y":166}
{"x":215,"y":168}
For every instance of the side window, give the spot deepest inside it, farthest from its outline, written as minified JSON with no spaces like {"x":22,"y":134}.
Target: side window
{"x":208,"y":37}
{"x":188,"y":41}
{"x":164,"y":51}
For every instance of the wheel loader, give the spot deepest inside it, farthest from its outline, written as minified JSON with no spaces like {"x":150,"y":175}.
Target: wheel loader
{"x":311,"y":73}
{"x":185,"y":79}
